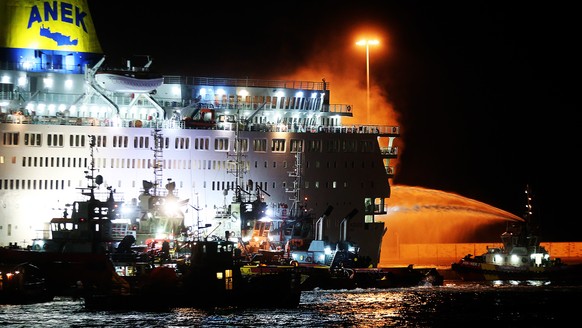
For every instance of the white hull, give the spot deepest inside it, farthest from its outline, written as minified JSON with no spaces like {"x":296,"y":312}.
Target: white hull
{"x":295,"y":146}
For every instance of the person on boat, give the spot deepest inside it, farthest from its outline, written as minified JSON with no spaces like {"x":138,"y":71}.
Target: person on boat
{"x":125,"y":244}
{"x":164,"y":254}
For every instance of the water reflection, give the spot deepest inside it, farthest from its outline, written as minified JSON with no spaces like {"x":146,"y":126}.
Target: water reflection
{"x":456,"y":303}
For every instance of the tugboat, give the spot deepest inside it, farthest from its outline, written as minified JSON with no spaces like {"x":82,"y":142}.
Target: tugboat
{"x":210,"y":276}
{"x":521,"y":257}
{"x":79,"y":260}
{"x":202,"y":272}
{"x":76,"y":254}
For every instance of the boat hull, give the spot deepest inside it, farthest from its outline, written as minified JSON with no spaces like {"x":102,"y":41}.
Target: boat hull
{"x":23,"y":284}
{"x":322,"y":277}
{"x":123,"y":83}
{"x":63,"y":272}
{"x":163,"y":290}
{"x":475,"y":271}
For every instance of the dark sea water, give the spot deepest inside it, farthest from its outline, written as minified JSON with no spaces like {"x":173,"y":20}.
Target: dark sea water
{"x":455,"y":304}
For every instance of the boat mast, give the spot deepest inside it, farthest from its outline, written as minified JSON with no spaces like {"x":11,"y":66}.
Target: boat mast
{"x":239,"y":167}
{"x":158,"y":159}
{"x":90,"y":175}
{"x":296,"y":190}
{"x":531,"y":226}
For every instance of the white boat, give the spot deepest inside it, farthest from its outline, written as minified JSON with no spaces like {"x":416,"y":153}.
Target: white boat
{"x":130,"y":81}
{"x":215,"y":138}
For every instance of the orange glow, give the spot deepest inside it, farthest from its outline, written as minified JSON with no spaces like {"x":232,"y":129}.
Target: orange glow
{"x":421,"y":215}
{"x":364,"y":42}
{"x":417,"y":215}
{"x":344,"y":68}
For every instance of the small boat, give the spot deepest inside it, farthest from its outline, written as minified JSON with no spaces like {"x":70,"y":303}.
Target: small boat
{"x":129,"y":80}
{"x":23,"y":283}
{"x":77,"y":251}
{"x":520,"y":258}
{"x":341,"y":267}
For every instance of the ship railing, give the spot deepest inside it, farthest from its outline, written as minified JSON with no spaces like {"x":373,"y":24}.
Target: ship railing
{"x":380,"y":130}
{"x":42,"y":67}
{"x":384,"y":130}
{"x":237,"y":82}
{"x":169,"y":103}
{"x":337,"y":109}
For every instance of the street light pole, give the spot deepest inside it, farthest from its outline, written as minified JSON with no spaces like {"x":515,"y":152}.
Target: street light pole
{"x":367,"y":43}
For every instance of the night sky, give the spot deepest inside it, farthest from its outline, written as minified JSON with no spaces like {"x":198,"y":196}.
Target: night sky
{"x":486,"y":92}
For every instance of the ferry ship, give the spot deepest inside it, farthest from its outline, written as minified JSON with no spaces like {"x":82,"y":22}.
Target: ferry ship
{"x":222,"y":146}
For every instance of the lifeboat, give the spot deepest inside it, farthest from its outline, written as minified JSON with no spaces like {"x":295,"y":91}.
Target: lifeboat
{"x":128,"y":81}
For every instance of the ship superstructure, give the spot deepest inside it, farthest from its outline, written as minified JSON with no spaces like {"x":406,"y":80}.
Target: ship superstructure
{"x":224,"y":141}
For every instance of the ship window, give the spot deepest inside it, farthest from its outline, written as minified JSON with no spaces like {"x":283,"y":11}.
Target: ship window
{"x":260,"y":144}
{"x":55,"y":140}
{"x":32,"y":139}
{"x":10,"y":138}
{"x":120,"y":141}
{"x":221,"y":144}
{"x":314,"y":146}
{"x":278,"y":145}
{"x":182,"y":143}
{"x":316,"y":184}
{"x":201,"y":143}
{"x":242,"y":145}
{"x":101,"y":141}
{"x":332,"y":146}
{"x":141,"y":142}
{"x":296,"y":145}
{"x":76,"y":140}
